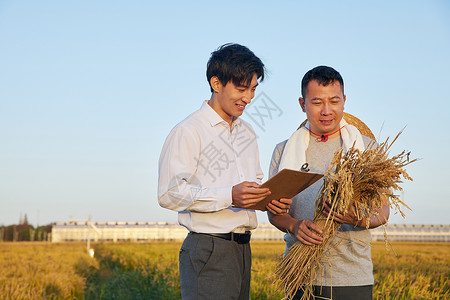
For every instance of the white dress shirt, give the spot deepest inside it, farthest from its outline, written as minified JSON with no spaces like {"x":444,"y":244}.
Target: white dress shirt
{"x":200,"y":162}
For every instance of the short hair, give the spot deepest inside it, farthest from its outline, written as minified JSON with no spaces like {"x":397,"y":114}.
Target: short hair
{"x":236,"y":63}
{"x":323,"y":75}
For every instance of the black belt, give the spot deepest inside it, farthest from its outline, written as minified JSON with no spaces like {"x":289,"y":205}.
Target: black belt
{"x":240,"y":238}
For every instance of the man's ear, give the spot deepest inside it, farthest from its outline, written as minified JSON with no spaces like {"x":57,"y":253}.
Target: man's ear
{"x":345,"y":98}
{"x":302,"y":103}
{"x":215,"y":84}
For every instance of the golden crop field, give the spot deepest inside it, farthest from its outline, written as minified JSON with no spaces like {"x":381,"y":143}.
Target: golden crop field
{"x":150,"y":271}
{"x":41,"y":270}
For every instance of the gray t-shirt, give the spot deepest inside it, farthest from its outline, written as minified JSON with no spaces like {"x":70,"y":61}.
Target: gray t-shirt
{"x":347,"y":261}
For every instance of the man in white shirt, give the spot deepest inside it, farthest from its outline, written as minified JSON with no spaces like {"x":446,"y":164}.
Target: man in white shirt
{"x":209,"y":171}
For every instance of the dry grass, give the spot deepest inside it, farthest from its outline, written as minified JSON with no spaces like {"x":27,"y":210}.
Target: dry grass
{"x":357,"y":181}
{"x":418,"y":271}
{"x":415,"y":271}
{"x":40,"y":270}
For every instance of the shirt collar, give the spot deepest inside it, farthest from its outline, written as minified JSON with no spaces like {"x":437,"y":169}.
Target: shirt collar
{"x":213,"y":117}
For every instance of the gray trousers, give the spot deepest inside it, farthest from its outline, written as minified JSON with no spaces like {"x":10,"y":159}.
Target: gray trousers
{"x":214,"y":268}
{"x":340,"y":293}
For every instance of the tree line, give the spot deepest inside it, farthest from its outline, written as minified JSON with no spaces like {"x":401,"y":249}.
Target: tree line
{"x":25,"y":232}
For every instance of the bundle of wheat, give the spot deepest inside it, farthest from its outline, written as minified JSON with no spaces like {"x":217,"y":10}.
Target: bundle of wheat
{"x":361,"y":181}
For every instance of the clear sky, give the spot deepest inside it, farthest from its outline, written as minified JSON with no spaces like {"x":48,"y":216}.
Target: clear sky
{"x":89,"y":91}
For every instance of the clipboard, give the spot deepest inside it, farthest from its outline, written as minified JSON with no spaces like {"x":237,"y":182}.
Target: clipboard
{"x":286,"y":184}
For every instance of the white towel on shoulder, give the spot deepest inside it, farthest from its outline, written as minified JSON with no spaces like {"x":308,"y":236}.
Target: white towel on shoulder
{"x":294,"y":154}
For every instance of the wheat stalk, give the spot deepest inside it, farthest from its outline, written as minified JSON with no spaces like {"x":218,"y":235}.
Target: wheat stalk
{"x":358,"y":180}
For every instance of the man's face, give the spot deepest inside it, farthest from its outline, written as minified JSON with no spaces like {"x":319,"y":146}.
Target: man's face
{"x":230,"y":100}
{"x":324,"y":106}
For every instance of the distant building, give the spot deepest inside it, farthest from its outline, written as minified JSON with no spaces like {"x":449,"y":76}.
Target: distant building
{"x":161,"y":231}
{"x":117,"y":231}
{"x":412,"y":233}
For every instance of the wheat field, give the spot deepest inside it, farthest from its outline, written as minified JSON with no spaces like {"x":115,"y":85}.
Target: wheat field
{"x":38,"y":270}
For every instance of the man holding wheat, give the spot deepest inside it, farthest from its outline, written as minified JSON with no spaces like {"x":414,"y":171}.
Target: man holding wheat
{"x":209,"y":172}
{"x":344,"y":271}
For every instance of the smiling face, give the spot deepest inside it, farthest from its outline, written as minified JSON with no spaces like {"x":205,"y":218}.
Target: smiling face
{"x":229,"y":101}
{"x":324,"y":107}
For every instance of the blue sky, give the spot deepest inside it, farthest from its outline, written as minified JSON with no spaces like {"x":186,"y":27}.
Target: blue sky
{"x":89,"y":91}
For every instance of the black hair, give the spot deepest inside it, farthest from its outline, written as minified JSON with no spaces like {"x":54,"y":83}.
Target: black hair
{"x":323,"y":75}
{"x":236,"y":63}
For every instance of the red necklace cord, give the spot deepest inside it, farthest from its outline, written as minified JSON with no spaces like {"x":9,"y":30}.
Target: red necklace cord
{"x":323,"y":137}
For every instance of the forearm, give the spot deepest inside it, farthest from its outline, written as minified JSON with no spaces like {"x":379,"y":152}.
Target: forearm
{"x":188,"y":197}
{"x":380,"y":217}
{"x":283,"y":222}
{"x":376,"y":218}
